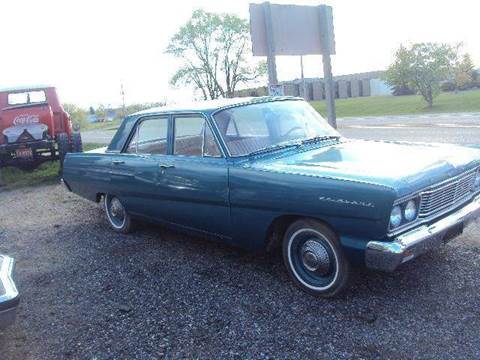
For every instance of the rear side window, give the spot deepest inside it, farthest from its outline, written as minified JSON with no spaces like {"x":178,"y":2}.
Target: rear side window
{"x":150,"y":137}
{"x":27,"y":97}
{"x":193,"y":137}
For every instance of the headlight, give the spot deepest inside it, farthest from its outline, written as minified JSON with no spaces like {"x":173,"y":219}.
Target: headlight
{"x":410,"y":211}
{"x":404,"y":212}
{"x":395,"y":217}
{"x":477,"y":180}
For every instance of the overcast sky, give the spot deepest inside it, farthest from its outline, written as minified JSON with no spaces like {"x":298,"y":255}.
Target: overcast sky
{"x":86,"y":48}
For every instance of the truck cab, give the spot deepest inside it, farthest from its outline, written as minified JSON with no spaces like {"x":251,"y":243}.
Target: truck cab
{"x":34,"y":127}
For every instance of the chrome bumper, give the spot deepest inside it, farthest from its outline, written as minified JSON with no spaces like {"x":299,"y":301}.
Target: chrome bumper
{"x":9,"y":297}
{"x":387,"y":256}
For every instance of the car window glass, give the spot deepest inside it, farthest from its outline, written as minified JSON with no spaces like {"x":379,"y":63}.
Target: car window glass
{"x":26,"y":97}
{"x":193,"y":137}
{"x":210,"y":147}
{"x":132,"y":146}
{"x":150,"y":137}
{"x":250,"y":123}
{"x":267,"y":124}
{"x":37,"y":96}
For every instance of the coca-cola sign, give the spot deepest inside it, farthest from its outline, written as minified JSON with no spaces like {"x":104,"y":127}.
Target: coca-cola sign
{"x":26,"y":119}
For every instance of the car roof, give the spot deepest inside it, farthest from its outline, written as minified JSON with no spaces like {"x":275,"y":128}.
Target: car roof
{"x":26,"y":87}
{"x":212,"y":105}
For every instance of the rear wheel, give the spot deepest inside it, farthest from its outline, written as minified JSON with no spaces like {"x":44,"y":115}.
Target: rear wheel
{"x":77,"y":142}
{"x":314,"y":258}
{"x":117,"y":215}
{"x":63,"y":146}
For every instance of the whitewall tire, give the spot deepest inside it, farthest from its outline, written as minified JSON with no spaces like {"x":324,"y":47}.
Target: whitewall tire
{"x":314,"y":258}
{"x":117,"y":215}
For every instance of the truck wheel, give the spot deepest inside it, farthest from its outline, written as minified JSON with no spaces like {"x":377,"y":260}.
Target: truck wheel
{"x":117,"y":215}
{"x":77,"y":142}
{"x":314,"y":258}
{"x":63,"y":146}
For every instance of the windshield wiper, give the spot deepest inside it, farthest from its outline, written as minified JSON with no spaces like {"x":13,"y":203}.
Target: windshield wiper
{"x":319,"y":138}
{"x":274,"y":147}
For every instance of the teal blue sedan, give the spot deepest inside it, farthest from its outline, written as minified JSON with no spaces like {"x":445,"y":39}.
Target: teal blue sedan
{"x":269,"y":173}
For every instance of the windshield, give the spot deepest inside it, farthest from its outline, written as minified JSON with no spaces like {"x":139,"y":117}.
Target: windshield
{"x":250,"y":128}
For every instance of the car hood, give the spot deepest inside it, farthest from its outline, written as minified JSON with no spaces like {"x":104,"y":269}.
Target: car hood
{"x":404,"y":167}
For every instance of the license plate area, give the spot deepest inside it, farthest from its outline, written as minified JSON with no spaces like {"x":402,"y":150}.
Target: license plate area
{"x":25,"y":153}
{"x":453,"y":232}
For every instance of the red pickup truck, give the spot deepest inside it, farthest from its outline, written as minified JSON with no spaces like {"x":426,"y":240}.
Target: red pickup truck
{"x":34,"y":127}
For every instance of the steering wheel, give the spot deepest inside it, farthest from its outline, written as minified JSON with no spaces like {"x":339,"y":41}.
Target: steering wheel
{"x":292,"y":130}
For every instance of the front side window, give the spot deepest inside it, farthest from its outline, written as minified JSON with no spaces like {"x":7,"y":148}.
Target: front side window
{"x":193,"y":137}
{"x":26,"y":97}
{"x":254,"y":127}
{"x":150,"y":137}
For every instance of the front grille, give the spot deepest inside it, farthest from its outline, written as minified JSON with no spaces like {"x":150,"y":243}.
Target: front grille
{"x":446,"y":194}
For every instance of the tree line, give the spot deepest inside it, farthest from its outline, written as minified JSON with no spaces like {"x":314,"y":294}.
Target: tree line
{"x":80,"y":115}
{"x":214,"y":52}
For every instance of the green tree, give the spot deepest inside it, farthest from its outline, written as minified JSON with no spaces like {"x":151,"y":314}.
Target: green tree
{"x":422,"y":67}
{"x":464,"y":72}
{"x":214,"y":50}
{"x":77,"y":115}
{"x":399,"y":72}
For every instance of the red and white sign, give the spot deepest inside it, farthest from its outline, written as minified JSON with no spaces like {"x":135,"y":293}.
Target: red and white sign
{"x":26,"y":119}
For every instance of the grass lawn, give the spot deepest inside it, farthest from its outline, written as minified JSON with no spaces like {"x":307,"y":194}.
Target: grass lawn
{"x":13,"y":178}
{"x":466,"y":101}
{"x":108,"y":125}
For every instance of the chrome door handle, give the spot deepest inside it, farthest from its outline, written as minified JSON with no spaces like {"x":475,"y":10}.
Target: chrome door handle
{"x":118,"y":162}
{"x":166,"y":166}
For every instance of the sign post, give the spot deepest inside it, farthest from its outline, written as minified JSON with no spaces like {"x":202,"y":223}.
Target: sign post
{"x":271,"y":64}
{"x":294,"y":30}
{"x":326,"y":32}
{"x":302,"y":76}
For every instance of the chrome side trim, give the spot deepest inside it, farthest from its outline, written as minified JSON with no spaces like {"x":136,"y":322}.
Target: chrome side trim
{"x":6,"y":271}
{"x":387,"y":256}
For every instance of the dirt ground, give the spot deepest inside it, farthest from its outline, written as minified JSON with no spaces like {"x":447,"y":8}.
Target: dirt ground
{"x":89,"y":293}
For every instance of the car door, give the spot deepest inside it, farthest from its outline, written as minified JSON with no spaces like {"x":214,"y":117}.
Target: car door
{"x":134,"y":172}
{"x":194,"y":178}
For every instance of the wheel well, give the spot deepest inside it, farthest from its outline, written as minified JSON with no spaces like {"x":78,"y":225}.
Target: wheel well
{"x":277,"y":229}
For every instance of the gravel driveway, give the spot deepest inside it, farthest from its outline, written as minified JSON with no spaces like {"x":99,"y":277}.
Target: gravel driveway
{"x":88,"y":293}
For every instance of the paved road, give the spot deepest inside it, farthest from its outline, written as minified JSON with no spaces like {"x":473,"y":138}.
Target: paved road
{"x":461,"y":128}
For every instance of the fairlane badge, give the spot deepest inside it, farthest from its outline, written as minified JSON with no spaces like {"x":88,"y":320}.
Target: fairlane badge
{"x":346,"y":202}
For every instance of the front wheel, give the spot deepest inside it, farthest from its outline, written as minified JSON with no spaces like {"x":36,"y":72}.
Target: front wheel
{"x":314,"y":258}
{"x":117,"y":215}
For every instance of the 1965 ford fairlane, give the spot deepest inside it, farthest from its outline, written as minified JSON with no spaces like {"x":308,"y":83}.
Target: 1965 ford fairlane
{"x":266,"y":172}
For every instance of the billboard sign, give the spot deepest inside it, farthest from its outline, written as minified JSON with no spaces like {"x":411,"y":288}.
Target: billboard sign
{"x":291,"y":29}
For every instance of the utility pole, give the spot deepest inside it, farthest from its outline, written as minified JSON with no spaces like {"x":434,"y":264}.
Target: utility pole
{"x":122,"y":92}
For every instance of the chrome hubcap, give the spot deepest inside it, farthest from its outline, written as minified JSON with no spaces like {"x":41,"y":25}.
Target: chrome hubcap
{"x":315,"y":257}
{"x":116,"y":209}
